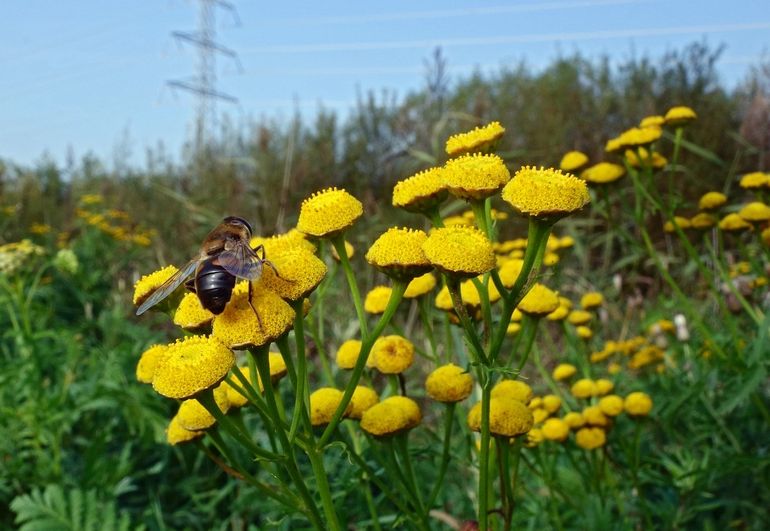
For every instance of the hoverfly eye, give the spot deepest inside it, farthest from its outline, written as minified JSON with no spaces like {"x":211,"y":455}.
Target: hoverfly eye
{"x":235,"y":220}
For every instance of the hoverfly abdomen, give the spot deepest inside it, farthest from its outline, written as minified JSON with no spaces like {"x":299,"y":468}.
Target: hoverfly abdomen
{"x":214,"y":286}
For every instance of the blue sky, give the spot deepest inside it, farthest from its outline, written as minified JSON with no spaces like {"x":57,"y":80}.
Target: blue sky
{"x":82,"y":73}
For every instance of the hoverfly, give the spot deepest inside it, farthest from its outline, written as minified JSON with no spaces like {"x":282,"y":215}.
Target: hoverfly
{"x":225,"y":256}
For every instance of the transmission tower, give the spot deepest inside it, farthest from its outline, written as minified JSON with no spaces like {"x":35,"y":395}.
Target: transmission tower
{"x":204,"y":83}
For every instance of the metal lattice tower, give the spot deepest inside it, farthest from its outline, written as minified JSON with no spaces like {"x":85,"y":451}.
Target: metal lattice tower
{"x":203,"y":84}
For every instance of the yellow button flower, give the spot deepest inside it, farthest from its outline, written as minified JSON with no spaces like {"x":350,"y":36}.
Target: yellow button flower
{"x":564,"y":371}
{"x":476,"y":176}
{"x":574,"y":419}
{"x":459,"y":251}
{"x":584,"y":388}
{"x":239,"y":327}
{"x":534,"y":437}
{"x":593,"y":416}
{"x":545,"y":193}
{"x":592,"y":299}
{"x":478,"y":139}
{"x":191,"y":315}
{"x":540,"y":414}
{"x":583,"y":332}
{"x":678,"y":221}
{"x":644,"y":158}
{"x":604,"y":386}
{"x":449,"y":383}
{"x":513,"y":329}
{"x":590,"y":438}
{"x":539,"y":301}
{"x":579,"y":317}
{"x":281,"y":243}
{"x":376,"y":299}
{"x":329,"y":212}
{"x":680,"y":115}
{"x":755,"y":180}
{"x":513,"y":390}
{"x":393,"y":415}
{"x":350,"y":251}
{"x":559,"y":314}
{"x":755,"y":211}
{"x":733,"y":223}
{"x":192,"y":365}
{"x":572,"y":161}
{"x":419,"y":286}
{"x":551,"y":403}
{"x":323,"y":404}
{"x":421,"y":191}
{"x":148,"y":362}
{"x":603,"y":173}
{"x":555,"y":430}
{"x":510,"y":271}
{"x":507,"y":417}
{"x":443,"y":300}
{"x":363,"y":399}
{"x":392,"y":354}
{"x":654,"y":120}
{"x":638,"y":404}
{"x":348,"y":353}
{"x":611,"y":405}
{"x":702,"y":221}
{"x":639,"y":136}
{"x":193,"y":416}
{"x":712,"y":200}
{"x":300,"y":273}
{"x":146,"y":285}
{"x":234,"y":396}
{"x":398,"y":253}
{"x":176,"y":434}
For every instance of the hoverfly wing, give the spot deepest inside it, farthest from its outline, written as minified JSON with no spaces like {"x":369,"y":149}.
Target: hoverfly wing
{"x":241,"y":262}
{"x":168,"y":287}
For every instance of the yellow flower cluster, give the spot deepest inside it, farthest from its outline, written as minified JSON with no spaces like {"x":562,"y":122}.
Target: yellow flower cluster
{"x":391,"y":416}
{"x":460,"y":251}
{"x":475,"y":140}
{"x":421,"y":191}
{"x":545,"y":193}
{"x":603,"y":173}
{"x":328,"y":212}
{"x":507,"y":417}
{"x":476,"y":176}
{"x":399,"y":253}
{"x":15,"y":255}
{"x":449,"y":383}
{"x":190,"y":366}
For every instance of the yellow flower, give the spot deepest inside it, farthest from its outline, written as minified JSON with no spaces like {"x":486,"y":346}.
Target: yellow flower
{"x":449,"y":383}
{"x":507,"y":417}
{"x":363,"y":398}
{"x":146,"y":285}
{"x":593,"y":416}
{"x":392,"y":354}
{"x":476,"y":176}
{"x":239,"y":327}
{"x":550,"y":259}
{"x":377,"y":299}
{"x":350,"y":251}
{"x":478,"y":139}
{"x":712,"y":200}
{"x":191,"y":315}
{"x":558,"y":314}
{"x":592,"y":299}
{"x":551,"y":403}
{"x":192,"y":365}
{"x":614,"y":368}
{"x":638,"y":404}
{"x":611,"y":405}
{"x":329,"y":212}
{"x":545,"y":193}
{"x":393,"y":415}
{"x":323,"y":404}
{"x":603,"y":173}
{"x":573,"y":161}
{"x":535,"y":403}
{"x":176,"y":434}
{"x":733,"y":223}
{"x":613,"y":145}
{"x":398,"y":253}
{"x":421,"y":191}
{"x":419,"y":286}
{"x":755,"y":180}
{"x":534,"y":437}
{"x":555,"y":430}
{"x":678,"y":116}
{"x":564,"y":371}
{"x":443,"y":300}
{"x":459,"y":251}
{"x":584,"y":332}
{"x":513,"y":329}
{"x":91,"y":199}
{"x":574,"y":419}
{"x":584,"y":388}
{"x":756,"y":211}
{"x":590,"y":438}
{"x":702,"y":221}
{"x":193,"y":416}
{"x":148,"y":362}
{"x":766,"y":236}
{"x":470,"y":294}
{"x":282,"y":243}
{"x":348,"y":353}
{"x":652,"y":121}
{"x":579,"y":317}
{"x":509,"y":272}
{"x":300,"y":273}
{"x":679,"y":221}
{"x":457,"y":221}
{"x":539,"y":414}
{"x":234,"y":396}
{"x":639,"y":136}
{"x":539,"y":301}
{"x":513,"y":390}
{"x":40,"y":228}
{"x":565,"y":242}
{"x":603,"y":386}
{"x":656,"y":160}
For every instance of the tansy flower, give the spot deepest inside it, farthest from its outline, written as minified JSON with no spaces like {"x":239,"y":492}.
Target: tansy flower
{"x":476,"y":140}
{"x":614,"y":145}
{"x":191,"y":315}
{"x":300,"y":273}
{"x":584,"y":388}
{"x":348,"y":353}
{"x":192,"y":365}
{"x":550,"y":259}
{"x":551,"y":403}
{"x":555,"y":430}
{"x":539,"y":414}
{"x":574,"y":419}
{"x":234,"y":396}
{"x":678,"y":221}
{"x":377,"y":299}
{"x":712,"y":200}
{"x":733,"y":223}
{"x":363,"y":398}
{"x":539,"y":301}
{"x":146,"y":285}
{"x":421,"y":191}
{"x":510,"y":271}
{"x":419,"y":286}
{"x":614,"y":368}
{"x":564,"y":371}
{"x":507,"y":417}
{"x":350,"y":251}
{"x":638,"y":404}
{"x":176,"y":434}
{"x":239,"y":327}
{"x":513,"y":390}
{"x":652,"y":121}
{"x":590,"y":438}
{"x":754,"y":180}
{"x":470,"y":293}
{"x":193,"y":416}
{"x":323,"y":404}
{"x":756,"y":211}
{"x":572,"y":161}
{"x":513,"y":329}
{"x":457,"y":221}
{"x":398,"y":253}
{"x":644,"y":158}
{"x":584,"y":332}
{"x":545,"y":193}
{"x":604,"y":386}
{"x":558,"y":314}
{"x":639,"y":136}
{"x":702,"y":221}
{"x":443,"y":300}
{"x":392,"y":354}
{"x":329,"y":212}
{"x":579,"y":317}
{"x":611,"y":405}
{"x":680,"y":115}
{"x":535,"y":403}
{"x":282,"y":243}
{"x":459,"y":251}
{"x":565,"y":242}
{"x":148,"y":362}
{"x":449,"y":383}
{"x":593,"y":416}
{"x":603,"y":173}
{"x":592,"y":299}
{"x":476,"y":176}
{"x":534,"y":437}
{"x":393,"y":415}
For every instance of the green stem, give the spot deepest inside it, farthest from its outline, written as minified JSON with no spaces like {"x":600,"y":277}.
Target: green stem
{"x":506,"y":483}
{"x":528,"y":339}
{"x":449,"y":412}
{"x":402,"y":444}
{"x":302,"y":398}
{"x":486,"y":395}
{"x":322,"y":481}
{"x":476,"y":350}
{"x":339,"y":244}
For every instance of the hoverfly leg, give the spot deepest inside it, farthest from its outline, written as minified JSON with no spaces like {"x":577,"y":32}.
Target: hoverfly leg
{"x":259,"y":319}
{"x":272,"y":266}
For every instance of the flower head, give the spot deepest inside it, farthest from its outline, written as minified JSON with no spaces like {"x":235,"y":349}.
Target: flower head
{"x":592,"y":299}
{"x":584,"y":388}
{"x":192,"y":365}
{"x":348,"y":353}
{"x":399,"y":253}
{"x":509,"y":271}
{"x":475,"y":140}
{"x":392,"y":354}
{"x":191,"y":315}
{"x":363,"y":398}
{"x":193,"y":416}
{"x":551,"y":403}
{"x":545,"y":193}
{"x":593,"y":416}
{"x":507,"y":417}
{"x":449,"y":383}
{"x":579,"y":317}
{"x":393,"y":415}
{"x":329,"y":212}
{"x":564,"y":371}
{"x":419,"y":286}
{"x":638,"y":404}
{"x":282,"y":243}
{"x":712,"y":200}
{"x":639,"y":136}
{"x":300,"y":273}
{"x":555,"y":430}
{"x":421,"y":191}
{"x":476,"y":176}
{"x":539,"y":301}
{"x":603,"y":173}
{"x":323,"y":404}
{"x":146,"y":285}
{"x":512,"y":389}
{"x":678,"y":221}
{"x":574,"y":419}
{"x":702,"y":221}
{"x":148,"y":362}
{"x":644,"y":158}
{"x":573,"y":161}
{"x":459,"y":251}
{"x":755,"y":180}
{"x":376,"y":299}
{"x":176,"y":434}
{"x":755,"y":211}
{"x":652,"y":121}
{"x":590,"y":438}
{"x":584,"y":332}
{"x":680,"y":115}
{"x":733,"y":223}
{"x":611,"y":405}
